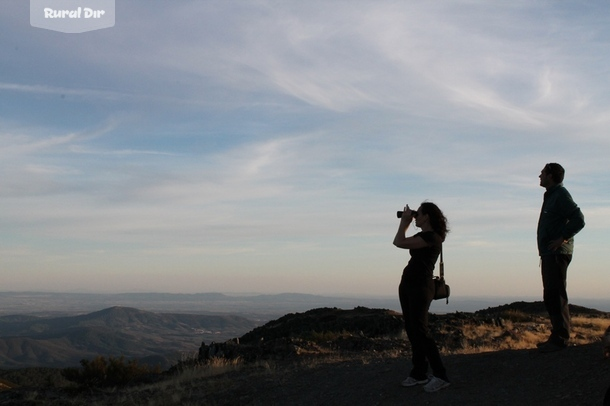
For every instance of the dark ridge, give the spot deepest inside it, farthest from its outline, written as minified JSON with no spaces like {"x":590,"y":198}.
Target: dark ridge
{"x":379,"y":322}
{"x":360,"y":320}
{"x":537,"y":308}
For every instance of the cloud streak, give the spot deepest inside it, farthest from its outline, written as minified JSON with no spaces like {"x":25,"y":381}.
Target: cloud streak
{"x":271,"y":143}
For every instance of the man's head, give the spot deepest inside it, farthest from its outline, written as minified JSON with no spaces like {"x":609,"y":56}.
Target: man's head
{"x":551,"y":175}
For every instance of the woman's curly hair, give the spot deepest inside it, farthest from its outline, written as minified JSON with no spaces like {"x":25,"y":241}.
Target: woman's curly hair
{"x":438,"y":221}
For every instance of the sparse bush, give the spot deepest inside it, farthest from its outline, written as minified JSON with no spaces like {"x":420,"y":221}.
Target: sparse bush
{"x":109,"y":372}
{"x":325,"y":336}
{"x":516,"y":316}
{"x":591,"y":323}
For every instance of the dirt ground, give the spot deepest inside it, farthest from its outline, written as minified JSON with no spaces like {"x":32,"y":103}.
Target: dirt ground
{"x":575,"y":376}
{"x":578,"y":375}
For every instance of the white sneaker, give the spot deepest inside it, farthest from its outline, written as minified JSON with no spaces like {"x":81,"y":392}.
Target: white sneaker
{"x":410,"y":381}
{"x":435,"y":384}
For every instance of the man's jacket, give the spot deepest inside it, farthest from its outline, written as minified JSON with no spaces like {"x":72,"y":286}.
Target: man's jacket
{"x":560,"y":217}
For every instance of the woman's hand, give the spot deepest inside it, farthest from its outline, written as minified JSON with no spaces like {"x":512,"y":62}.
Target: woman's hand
{"x":407,"y":214}
{"x":401,"y":240}
{"x":405,"y":222}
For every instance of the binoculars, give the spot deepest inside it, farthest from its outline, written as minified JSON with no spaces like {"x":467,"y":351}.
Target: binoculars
{"x":399,"y":213}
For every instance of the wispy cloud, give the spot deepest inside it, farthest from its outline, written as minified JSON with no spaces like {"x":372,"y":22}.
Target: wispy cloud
{"x":222,"y":137}
{"x":60,"y":91}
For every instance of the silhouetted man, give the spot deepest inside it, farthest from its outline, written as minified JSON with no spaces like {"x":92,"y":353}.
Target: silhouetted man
{"x":560,"y":219}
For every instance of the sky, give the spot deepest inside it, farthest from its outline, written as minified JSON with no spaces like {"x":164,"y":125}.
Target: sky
{"x":265,"y":146}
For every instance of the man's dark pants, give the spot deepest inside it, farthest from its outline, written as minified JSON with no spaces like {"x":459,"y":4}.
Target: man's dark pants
{"x":555,"y":295}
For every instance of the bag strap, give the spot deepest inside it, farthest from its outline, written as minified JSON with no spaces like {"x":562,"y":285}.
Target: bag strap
{"x":441,"y":265}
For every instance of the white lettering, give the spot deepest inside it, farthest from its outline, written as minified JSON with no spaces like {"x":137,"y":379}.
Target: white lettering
{"x":50,"y":13}
{"x":88,"y":13}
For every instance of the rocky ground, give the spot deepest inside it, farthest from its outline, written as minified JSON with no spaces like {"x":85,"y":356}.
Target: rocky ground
{"x":358,"y":357}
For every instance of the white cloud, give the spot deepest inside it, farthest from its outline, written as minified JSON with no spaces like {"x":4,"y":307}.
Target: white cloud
{"x":251,"y":133}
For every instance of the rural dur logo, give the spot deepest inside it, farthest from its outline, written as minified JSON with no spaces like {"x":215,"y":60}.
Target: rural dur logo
{"x":72,"y":16}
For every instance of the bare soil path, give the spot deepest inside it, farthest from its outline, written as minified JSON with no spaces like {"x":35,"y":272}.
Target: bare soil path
{"x":575,"y":376}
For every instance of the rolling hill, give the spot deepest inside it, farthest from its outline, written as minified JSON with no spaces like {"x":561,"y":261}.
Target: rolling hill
{"x":158,"y":338}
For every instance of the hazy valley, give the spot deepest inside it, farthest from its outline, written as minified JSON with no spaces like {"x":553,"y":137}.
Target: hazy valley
{"x":154,"y":338}
{"x":40,"y":329}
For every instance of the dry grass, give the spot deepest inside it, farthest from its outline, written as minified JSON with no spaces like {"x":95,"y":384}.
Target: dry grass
{"x":488,"y":338}
{"x":586,"y":329}
{"x":520,"y":332}
{"x":590,"y":325}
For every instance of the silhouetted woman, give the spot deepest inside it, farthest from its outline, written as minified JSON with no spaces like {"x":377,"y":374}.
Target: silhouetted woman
{"x":416,"y":292}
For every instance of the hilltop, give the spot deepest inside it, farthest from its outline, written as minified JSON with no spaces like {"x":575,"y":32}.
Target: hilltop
{"x":330,"y":356}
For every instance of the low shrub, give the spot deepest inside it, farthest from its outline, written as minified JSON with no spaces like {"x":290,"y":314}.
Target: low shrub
{"x":103,"y":372}
{"x":516,"y":316}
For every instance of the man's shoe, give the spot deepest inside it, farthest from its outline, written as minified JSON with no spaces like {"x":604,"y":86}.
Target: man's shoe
{"x":551,"y":346}
{"x":410,"y":381}
{"x":436,"y":384}
{"x":542,"y":343}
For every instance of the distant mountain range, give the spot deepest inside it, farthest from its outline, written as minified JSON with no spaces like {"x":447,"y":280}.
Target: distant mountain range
{"x":153,"y":338}
{"x":255,"y":306}
{"x":259,"y":307}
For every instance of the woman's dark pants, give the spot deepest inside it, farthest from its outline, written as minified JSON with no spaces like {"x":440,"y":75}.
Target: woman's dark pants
{"x":415,"y":299}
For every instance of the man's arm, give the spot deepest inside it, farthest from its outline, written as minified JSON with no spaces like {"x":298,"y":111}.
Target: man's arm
{"x":576,"y":222}
{"x":575,"y":218}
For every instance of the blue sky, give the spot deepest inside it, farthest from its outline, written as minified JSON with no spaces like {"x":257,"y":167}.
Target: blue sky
{"x":265,"y":146}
